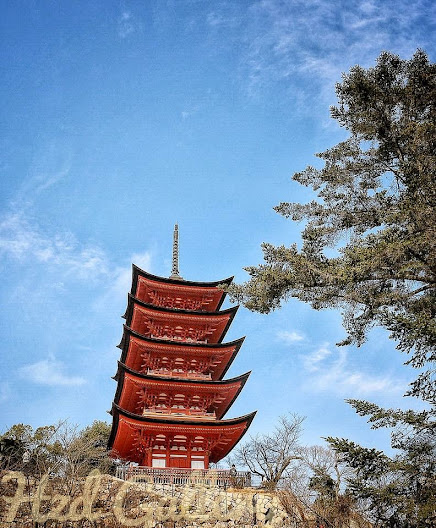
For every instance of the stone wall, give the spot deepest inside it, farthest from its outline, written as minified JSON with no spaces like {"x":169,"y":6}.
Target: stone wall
{"x":216,"y":506}
{"x":101,"y":501}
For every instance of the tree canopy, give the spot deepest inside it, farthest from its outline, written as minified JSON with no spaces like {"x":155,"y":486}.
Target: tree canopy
{"x":61,"y":449}
{"x":398,"y":491}
{"x":368,"y":248}
{"x":368,"y":245}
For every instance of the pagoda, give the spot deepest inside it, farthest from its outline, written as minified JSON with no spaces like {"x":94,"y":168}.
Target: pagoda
{"x":171,"y":397}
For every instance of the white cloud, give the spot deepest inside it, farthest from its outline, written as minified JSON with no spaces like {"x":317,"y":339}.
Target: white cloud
{"x":123,"y":276}
{"x":215,"y":19}
{"x":308,"y":44}
{"x":121,"y":281}
{"x":49,"y":372}
{"x":41,"y":182}
{"x":189,"y":111}
{"x":331,"y":372}
{"x":24,"y":241}
{"x":313,"y":362}
{"x":51,"y":164}
{"x":290,"y":337}
{"x":225,"y":15}
{"x":127,"y":24}
{"x":43,"y":178}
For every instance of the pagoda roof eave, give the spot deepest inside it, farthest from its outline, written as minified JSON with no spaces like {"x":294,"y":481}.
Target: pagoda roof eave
{"x":124,"y":368}
{"x":212,"y":284}
{"x":209,"y":347}
{"x":116,"y":411}
{"x":243,"y":382}
{"x":130,"y":331}
{"x":132,"y":300}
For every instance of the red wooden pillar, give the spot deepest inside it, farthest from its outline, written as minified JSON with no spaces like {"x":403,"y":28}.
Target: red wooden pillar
{"x":168,"y":455}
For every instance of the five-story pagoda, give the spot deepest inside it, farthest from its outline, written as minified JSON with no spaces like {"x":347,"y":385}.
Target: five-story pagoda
{"x":171,"y":396}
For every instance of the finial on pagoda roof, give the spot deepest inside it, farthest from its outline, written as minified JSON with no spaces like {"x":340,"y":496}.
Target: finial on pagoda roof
{"x":175,"y":269}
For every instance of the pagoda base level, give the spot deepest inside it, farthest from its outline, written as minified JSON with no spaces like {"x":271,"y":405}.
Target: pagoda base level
{"x":184,"y":476}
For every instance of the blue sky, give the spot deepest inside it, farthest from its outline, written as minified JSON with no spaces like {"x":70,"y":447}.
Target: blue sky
{"x":120,"y":119}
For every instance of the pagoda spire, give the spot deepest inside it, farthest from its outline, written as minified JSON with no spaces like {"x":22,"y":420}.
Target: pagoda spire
{"x":175,"y":269}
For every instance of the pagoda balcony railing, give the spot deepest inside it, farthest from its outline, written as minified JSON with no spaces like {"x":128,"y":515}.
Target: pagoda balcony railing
{"x":222,"y":478}
{"x":177,"y":338}
{"x":175,"y":374}
{"x":190,"y":413}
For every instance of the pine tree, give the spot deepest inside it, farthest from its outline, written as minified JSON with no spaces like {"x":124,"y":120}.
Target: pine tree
{"x":376,"y":209}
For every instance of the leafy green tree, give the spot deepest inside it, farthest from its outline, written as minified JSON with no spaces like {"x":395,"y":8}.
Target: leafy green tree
{"x":368,"y":248}
{"x":13,"y":446}
{"x":323,"y":484}
{"x":368,"y":245}
{"x":334,"y":508}
{"x":24,"y":449}
{"x":399,"y":491}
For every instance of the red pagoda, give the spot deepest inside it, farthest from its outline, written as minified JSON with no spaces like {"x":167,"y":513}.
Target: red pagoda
{"x":171,"y":396}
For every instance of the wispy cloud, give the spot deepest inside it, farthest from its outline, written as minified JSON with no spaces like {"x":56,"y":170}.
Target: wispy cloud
{"x":330,"y":371}
{"x":226,"y":16}
{"x":127,"y":24}
{"x":290,"y":337}
{"x":42,"y":180}
{"x":44,"y":183}
{"x":308,"y":44}
{"x":49,"y":372}
{"x":121,"y":280}
{"x":189,"y":112}
{"x":313,"y":362}
{"x":50,"y":165}
{"x":215,"y":19}
{"x":24,"y":241}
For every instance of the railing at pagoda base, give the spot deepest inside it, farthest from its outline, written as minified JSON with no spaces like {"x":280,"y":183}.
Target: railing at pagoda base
{"x":188,"y":413}
{"x":221,"y":478}
{"x":167,"y":373}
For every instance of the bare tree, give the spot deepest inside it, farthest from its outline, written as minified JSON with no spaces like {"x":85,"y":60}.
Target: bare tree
{"x":79,"y":452}
{"x":270,"y":455}
{"x":63,"y":450}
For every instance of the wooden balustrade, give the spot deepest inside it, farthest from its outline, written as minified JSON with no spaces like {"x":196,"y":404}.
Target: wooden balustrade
{"x":189,"y":413}
{"x":184,"y":476}
{"x":176,"y":374}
